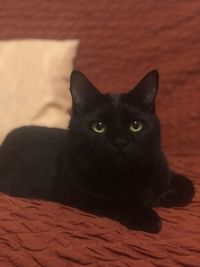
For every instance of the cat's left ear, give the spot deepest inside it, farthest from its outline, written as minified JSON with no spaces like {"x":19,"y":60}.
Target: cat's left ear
{"x":146,"y":90}
{"x":82,"y":90}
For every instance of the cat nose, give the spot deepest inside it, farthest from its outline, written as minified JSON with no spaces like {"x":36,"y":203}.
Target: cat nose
{"x":120,"y":143}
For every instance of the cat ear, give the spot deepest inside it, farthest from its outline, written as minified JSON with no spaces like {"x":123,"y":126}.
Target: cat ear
{"x":146,"y":90}
{"x":82,"y":90}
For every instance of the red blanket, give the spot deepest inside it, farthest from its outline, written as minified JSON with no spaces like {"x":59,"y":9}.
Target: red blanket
{"x":37,"y":233}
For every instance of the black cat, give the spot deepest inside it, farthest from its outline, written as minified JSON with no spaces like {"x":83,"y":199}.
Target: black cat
{"x":109,"y":162}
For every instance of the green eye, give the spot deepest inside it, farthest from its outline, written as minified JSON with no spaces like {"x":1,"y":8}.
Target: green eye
{"x":135,"y":126}
{"x":99,"y":127}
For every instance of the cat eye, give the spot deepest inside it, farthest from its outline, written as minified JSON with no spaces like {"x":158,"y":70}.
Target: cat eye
{"x":135,"y":126}
{"x":98,"y":127}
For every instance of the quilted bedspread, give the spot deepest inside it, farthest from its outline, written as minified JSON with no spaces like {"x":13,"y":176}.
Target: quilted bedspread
{"x":37,"y":233}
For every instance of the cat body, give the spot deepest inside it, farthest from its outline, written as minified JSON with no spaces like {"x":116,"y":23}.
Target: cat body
{"x":108,"y":162}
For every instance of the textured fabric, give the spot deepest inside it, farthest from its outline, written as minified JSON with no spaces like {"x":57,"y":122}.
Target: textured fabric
{"x":42,"y":234}
{"x":119,"y":43}
{"x":34,"y":83}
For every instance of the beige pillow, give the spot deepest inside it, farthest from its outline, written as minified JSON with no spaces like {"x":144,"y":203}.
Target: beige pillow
{"x":34,"y":83}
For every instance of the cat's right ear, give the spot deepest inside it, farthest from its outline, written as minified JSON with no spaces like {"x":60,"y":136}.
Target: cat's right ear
{"x":82,"y":90}
{"x":145,"y":91}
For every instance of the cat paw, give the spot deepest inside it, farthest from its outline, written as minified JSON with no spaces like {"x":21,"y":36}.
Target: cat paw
{"x":180,"y":193}
{"x":145,"y":219}
{"x":150,"y":222}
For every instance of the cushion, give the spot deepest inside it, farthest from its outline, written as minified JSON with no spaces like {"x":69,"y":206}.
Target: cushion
{"x":34,"y":82}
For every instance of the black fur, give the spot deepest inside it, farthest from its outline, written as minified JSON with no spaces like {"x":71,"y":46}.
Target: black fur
{"x":117,"y":173}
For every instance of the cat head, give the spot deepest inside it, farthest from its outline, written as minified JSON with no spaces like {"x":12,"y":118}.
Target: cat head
{"x":121,"y":128}
{"x":114,"y":132}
